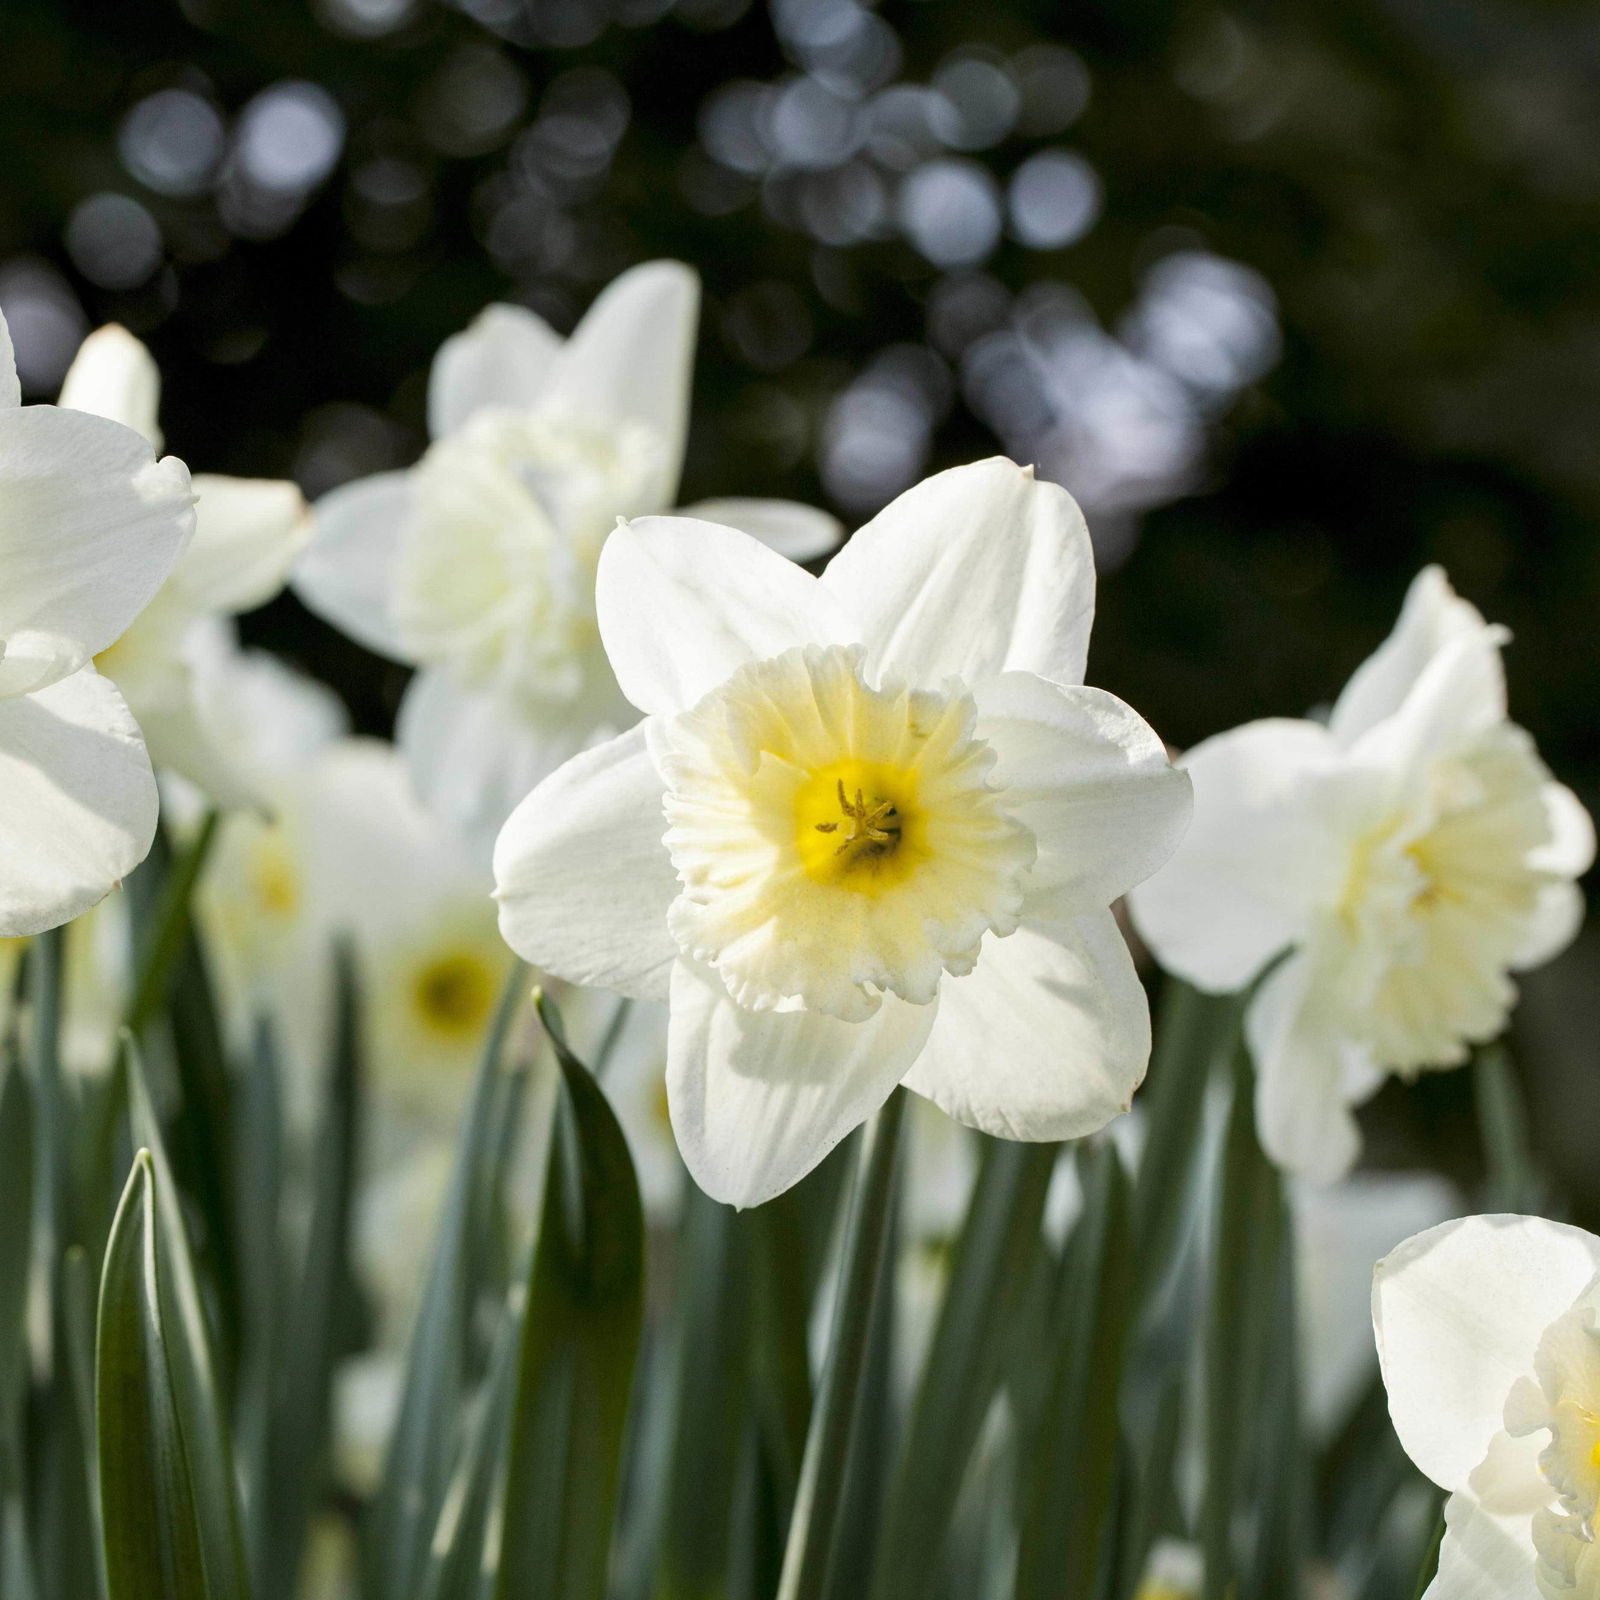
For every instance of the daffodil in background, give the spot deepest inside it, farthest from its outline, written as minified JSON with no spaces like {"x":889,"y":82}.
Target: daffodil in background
{"x":1402,"y":860}
{"x":869,"y":831}
{"x":91,"y":524}
{"x":247,"y":534}
{"x":477,"y":565}
{"x":1490,"y":1349}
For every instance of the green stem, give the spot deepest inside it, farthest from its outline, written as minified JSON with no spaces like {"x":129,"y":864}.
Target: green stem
{"x":815,"y":1523}
{"x":169,"y":929}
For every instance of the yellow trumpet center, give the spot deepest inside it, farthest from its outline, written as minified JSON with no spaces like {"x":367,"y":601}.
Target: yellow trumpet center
{"x":454,"y":993}
{"x":857,"y":825}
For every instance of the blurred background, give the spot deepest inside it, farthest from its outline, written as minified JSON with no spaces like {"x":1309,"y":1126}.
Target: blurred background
{"x":1293,"y":299}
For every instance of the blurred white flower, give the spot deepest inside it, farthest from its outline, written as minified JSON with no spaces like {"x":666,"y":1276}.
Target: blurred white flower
{"x":1491,"y":1355}
{"x":1403,"y":860}
{"x":1175,"y":1570}
{"x":895,"y":822}
{"x":247,"y":535}
{"x":477,"y":565}
{"x":90,"y":526}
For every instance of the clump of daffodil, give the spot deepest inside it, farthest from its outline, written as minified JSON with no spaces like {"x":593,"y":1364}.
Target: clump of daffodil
{"x":1403,"y":860}
{"x":477,"y":565}
{"x":868,"y":833}
{"x":1488,"y":1333}
{"x":247,"y":534}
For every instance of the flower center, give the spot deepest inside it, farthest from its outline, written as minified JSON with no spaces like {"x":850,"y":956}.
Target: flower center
{"x":453,"y":993}
{"x":852,"y":836}
{"x":835,"y":840}
{"x":1437,"y":903}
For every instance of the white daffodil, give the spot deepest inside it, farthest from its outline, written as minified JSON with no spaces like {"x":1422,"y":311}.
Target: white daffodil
{"x":91,"y":523}
{"x":247,"y":535}
{"x":869,"y":831}
{"x":477,"y":565}
{"x":1403,"y":860}
{"x":1490,"y":1350}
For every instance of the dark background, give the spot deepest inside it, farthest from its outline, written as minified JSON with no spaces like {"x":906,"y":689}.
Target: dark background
{"x":1297,"y":299}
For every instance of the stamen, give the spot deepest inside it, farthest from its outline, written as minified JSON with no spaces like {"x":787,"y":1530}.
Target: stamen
{"x":869,"y":823}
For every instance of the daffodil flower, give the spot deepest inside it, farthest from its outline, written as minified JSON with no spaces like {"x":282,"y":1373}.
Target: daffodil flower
{"x":869,"y":831}
{"x":1490,"y":1350}
{"x":477,"y":565}
{"x":91,"y":523}
{"x":1402,"y":861}
{"x":247,"y":534}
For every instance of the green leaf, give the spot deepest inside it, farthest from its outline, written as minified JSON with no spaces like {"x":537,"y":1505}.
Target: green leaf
{"x":988,"y":1278}
{"x":1247,"y":1336}
{"x":1514,"y":1181}
{"x":322,"y":1312}
{"x":709,"y":1378}
{"x":16,"y":1235}
{"x":166,"y":1484}
{"x":1065,"y":1539}
{"x":427,"y":1434}
{"x":866,"y":1272}
{"x":1194,"y":1031}
{"x":580,"y":1340}
{"x":164,"y":939}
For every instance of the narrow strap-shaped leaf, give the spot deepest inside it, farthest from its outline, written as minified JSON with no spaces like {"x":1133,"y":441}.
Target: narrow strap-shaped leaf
{"x":202,"y":1413}
{"x":1065,"y":1539}
{"x":965,"y":1361}
{"x":580,"y":1341}
{"x":165,"y":1476}
{"x":297,"y":1440}
{"x":1249,"y":1229}
{"x":1193,"y":1031}
{"x":710,"y":1379}
{"x":168,"y":929}
{"x":427,"y":1433}
{"x":1514,"y":1181}
{"x":864,"y":1273}
{"x":456,"y":1558}
{"x":16,"y":1234}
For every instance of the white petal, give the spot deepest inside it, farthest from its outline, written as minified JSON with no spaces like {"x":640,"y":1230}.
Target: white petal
{"x":247,"y":534}
{"x":582,"y":876}
{"x":503,"y":359}
{"x":1302,"y":1093}
{"x":1459,"y":695}
{"x":80,"y":808}
{"x":1570,"y":851}
{"x":1046,"y":1038}
{"x":10,"y":388}
{"x":346,"y":573}
{"x":800,"y":532}
{"x":473,"y":755}
{"x":1558,"y":914}
{"x":1483,"y":1557}
{"x":1239,"y":886}
{"x":1459,"y":1312}
{"x":683,"y":604}
{"x":978,"y":570}
{"x":758,"y":1098}
{"x":90,"y":526}
{"x":114,"y":376}
{"x":631,"y":359}
{"x":1089,"y":776}
{"x":1433,"y":615}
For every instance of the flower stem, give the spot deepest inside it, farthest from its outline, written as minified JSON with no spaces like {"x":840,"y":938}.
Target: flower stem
{"x":810,"y":1551}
